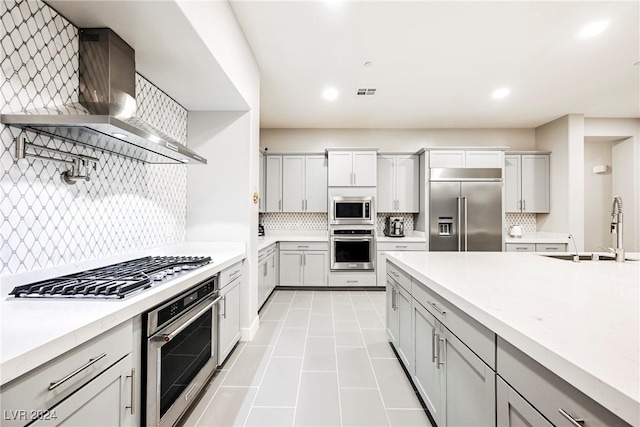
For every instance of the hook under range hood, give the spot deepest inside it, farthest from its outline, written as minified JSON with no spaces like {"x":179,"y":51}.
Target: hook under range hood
{"x":104,"y":117}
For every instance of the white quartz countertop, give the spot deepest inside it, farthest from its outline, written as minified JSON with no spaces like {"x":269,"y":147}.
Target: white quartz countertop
{"x":416,"y":237}
{"x":276,"y":236}
{"x":579,"y":320}
{"x":34,"y":331}
{"x":539,"y":237}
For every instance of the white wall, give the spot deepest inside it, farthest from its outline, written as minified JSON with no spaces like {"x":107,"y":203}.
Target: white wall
{"x":625,"y":172}
{"x":233,"y":153}
{"x":597,"y":195}
{"x":389,"y":140}
{"x":564,"y":137}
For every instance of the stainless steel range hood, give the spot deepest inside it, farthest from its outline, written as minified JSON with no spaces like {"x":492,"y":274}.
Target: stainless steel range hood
{"x":104,"y":117}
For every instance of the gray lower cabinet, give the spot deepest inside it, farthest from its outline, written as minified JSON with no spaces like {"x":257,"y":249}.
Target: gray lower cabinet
{"x":229,"y":319}
{"x":455,"y":384}
{"x":97,"y":403}
{"x":469,"y":384}
{"x":92,"y":384}
{"x":267,"y":273}
{"x":304,"y":264}
{"x":399,"y":327}
{"x":513,"y":411}
{"x":393,"y":315}
{"x":427,"y":377}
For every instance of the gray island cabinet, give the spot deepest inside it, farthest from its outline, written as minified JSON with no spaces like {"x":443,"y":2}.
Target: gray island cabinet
{"x":469,"y":376}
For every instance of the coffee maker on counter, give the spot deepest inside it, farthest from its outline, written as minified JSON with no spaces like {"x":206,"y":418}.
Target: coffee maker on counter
{"x":394,"y":226}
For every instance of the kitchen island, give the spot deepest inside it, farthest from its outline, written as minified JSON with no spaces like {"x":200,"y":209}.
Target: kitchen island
{"x":580,"y":321}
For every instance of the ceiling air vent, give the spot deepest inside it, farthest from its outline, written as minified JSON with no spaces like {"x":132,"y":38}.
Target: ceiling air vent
{"x":366,"y":92}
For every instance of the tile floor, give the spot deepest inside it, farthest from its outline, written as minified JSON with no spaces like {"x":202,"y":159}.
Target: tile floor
{"x":320,"y":358}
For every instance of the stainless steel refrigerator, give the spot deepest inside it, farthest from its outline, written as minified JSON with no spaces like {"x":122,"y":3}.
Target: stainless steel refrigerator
{"x":465,"y":209}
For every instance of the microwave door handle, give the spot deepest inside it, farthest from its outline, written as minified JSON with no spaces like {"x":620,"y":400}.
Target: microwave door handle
{"x":165,"y":336}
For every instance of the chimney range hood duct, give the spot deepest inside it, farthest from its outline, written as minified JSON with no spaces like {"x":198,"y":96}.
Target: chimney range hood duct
{"x":104,"y":117}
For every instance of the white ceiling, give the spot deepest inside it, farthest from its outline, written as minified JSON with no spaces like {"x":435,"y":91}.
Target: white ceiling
{"x":435,"y":64}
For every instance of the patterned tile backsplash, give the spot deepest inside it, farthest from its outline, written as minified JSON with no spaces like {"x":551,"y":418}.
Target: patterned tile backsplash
{"x":294,"y":221}
{"x":317,"y":221}
{"x":125,"y":207}
{"x":526,"y":220}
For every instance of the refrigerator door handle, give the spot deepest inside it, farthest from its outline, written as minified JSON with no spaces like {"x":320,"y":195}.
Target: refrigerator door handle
{"x":459,"y":225}
{"x":464,"y":203}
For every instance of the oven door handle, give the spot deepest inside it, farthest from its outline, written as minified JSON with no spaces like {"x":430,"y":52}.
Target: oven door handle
{"x":166,"y":337}
{"x":352,"y":239}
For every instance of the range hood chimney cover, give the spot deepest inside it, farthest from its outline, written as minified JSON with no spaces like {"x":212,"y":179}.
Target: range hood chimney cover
{"x":104,"y":117}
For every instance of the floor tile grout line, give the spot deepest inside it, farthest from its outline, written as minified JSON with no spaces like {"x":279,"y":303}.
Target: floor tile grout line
{"x":335,"y":350}
{"x":304,"y":352}
{"x":268,"y":363}
{"x":375,"y":377}
{"x":204,"y":411}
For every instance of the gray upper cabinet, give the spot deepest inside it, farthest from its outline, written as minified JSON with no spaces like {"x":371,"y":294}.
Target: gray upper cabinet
{"x":262,"y":179}
{"x":527,"y":183}
{"x":397,"y":186}
{"x":304,"y":183}
{"x":466,"y":159}
{"x":274,"y":184}
{"x":352,"y":168}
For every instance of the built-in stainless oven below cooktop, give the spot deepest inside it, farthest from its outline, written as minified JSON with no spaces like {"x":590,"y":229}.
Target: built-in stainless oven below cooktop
{"x":114,"y":281}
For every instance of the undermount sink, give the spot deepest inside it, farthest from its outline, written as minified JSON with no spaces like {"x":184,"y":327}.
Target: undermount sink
{"x":585,"y":257}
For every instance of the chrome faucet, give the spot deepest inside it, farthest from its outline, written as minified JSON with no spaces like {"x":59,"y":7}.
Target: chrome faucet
{"x":616,"y":228}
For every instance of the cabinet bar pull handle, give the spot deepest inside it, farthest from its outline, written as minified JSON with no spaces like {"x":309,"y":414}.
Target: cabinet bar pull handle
{"x":577,"y":422}
{"x":352,"y":281}
{"x":302,"y":201}
{"x":401,"y":246}
{"x":433,"y":345}
{"x":521,"y":248}
{"x":91,"y":361}
{"x":438,"y":309}
{"x":279,"y":205}
{"x":224,"y":306}
{"x":303,"y":246}
{"x":133,"y":391}
{"x":438,"y":340}
{"x":524,"y":205}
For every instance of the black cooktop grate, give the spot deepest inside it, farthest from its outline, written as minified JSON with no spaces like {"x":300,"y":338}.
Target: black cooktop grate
{"x":113,"y":281}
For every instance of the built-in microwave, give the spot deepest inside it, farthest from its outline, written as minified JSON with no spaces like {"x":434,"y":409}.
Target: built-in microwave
{"x":352,"y":210}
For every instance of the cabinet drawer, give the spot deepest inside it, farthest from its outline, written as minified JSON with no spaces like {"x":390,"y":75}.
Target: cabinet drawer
{"x":551,"y":247}
{"x":264,"y":253}
{"x":31,"y":392}
{"x":352,"y":279}
{"x":548,"y":393}
{"x":304,"y":246}
{"x":476,"y":336}
{"x":521,"y":247}
{"x":401,"y":246}
{"x":399,"y":276}
{"x":230,"y":274}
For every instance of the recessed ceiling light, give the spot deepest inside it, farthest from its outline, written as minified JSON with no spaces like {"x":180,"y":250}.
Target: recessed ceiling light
{"x":593,"y":29}
{"x":368,"y":64}
{"x":330,"y":94}
{"x":501,"y":93}
{"x":119,"y":135}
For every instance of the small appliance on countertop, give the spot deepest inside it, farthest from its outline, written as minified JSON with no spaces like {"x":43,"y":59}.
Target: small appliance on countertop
{"x":260,"y":230}
{"x":515,"y":231}
{"x":394,"y":226}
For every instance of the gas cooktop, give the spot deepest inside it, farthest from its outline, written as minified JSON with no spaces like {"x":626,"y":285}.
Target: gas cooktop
{"x":114,"y":281}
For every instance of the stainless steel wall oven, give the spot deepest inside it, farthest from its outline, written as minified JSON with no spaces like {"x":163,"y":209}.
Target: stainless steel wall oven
{"x":352,"y":249}
{"x":181,"y":351}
